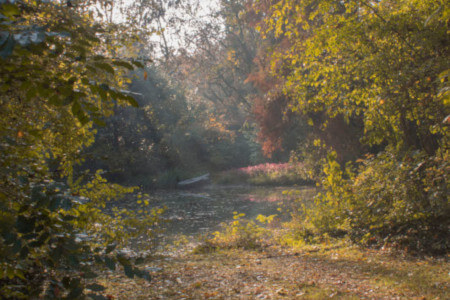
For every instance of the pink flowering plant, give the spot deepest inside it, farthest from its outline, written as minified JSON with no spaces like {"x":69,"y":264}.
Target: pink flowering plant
{"x":266,"y":174}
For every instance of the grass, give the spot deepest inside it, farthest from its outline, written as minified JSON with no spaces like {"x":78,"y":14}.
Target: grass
{"x":265,"y":174}
{"x":258,"y":259}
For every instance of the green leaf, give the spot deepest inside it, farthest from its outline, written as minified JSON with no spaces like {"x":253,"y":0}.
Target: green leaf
{"x":69,"y":99}
{"x":72,"y":245}
{"x":92,"y":69}
{"x":36,"y":133}
{"x":105,"y":66}
{"x":10,"y":10}
{"x":76,"y":108}
{"x":123,"y":64}
{"x":99,"y":122}
{"x":138,"y":64}
{"x":94,"y":88}
{"x":98,"y":259}
{"x":79,"y":113}
{"x":29,"y":236}
{"x":31,"y":93}
{"x":98,"y":57}
{"x":132,"y":101}
{"x":103,"y":94}
{"x":92,"y":38}
{"x":69,"y":218}
{"x":54,"y":100}
{"x":82,"y":50}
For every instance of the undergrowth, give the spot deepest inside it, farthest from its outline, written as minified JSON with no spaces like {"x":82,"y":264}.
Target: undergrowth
{"x":240,"y":233}
{"x":265,"y":174}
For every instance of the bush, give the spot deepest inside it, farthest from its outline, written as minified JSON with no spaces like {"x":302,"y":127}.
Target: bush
{"x":402,"y":202}
{"x":55,"y":240}
{"x":242,"y":233}
{"x":399,"y":203}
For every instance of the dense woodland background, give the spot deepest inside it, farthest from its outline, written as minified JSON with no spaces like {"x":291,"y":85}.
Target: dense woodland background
{"x":101,"y":97}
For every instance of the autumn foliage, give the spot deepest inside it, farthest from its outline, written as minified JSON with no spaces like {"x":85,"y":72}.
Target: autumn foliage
{"x":369,"y":78}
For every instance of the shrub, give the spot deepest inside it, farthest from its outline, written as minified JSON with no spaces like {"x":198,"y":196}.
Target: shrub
{"x":401,"y":203}
{"x":55,"y":241}
{"x":330,"y":211}
{"x":243,"y":233}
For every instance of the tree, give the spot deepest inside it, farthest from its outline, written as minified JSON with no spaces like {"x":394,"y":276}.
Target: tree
{"x":214,"y":70}
{"x":342,"y":57}
{"x":283,"y":125}
{"x":59,"y":76}
{"x":381,"y":64}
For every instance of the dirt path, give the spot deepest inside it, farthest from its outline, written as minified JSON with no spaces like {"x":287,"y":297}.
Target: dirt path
{"x":342,"y":273}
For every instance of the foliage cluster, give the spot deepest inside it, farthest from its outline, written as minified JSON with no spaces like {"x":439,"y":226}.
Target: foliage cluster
{"x":59,"y":76}
{"x":381,"y":202}
{"x":166,"y":139}
{"x":367,"y":77}
{"x":214,"y":76}
{"x":194,"y":106}
{"x":243,"y":233}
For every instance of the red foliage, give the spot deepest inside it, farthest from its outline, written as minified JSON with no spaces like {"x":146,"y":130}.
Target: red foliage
{"x":270,"y":107}
{"x":269,"y":113}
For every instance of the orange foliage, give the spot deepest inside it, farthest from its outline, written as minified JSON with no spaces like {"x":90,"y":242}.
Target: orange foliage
{"x":270,"y":115}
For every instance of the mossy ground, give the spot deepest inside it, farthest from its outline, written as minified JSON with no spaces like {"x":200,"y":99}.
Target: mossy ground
{"x":314,"y":272}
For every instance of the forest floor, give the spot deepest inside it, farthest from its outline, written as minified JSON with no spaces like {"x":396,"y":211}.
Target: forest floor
{"x":314,"y":272}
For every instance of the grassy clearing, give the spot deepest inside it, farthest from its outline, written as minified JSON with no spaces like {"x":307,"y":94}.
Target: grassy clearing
{"x":266,"y":258}
{"x":335,"y":271}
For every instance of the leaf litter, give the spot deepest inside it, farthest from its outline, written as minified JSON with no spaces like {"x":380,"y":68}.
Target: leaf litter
{"x":323,"y":272}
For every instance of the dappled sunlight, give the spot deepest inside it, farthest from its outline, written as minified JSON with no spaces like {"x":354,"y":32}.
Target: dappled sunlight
{"x":224,"y":149}
{"x":290,"y":275}
{"x":201,"y":211}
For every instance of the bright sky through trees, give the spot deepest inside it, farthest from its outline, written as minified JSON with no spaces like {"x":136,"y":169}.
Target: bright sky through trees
{"x":173,"y":21}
